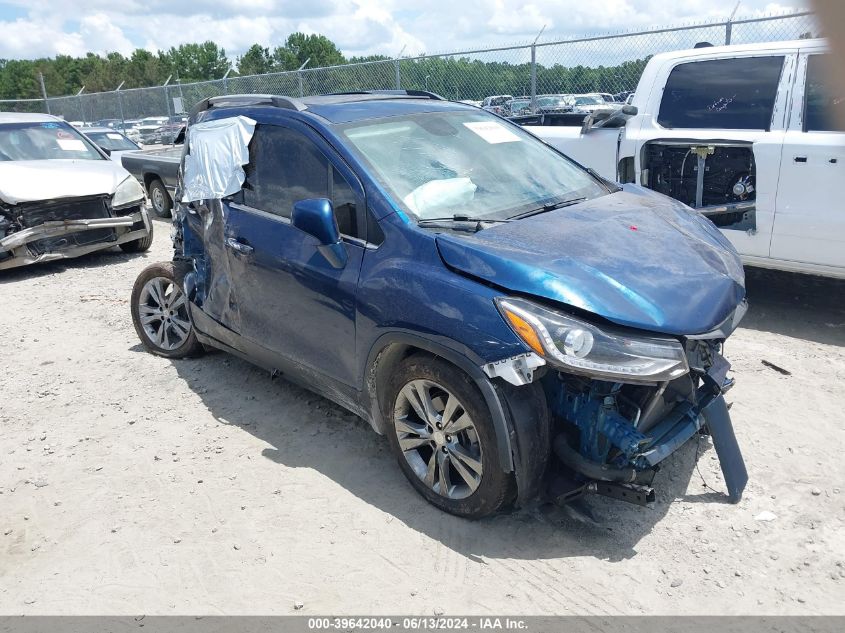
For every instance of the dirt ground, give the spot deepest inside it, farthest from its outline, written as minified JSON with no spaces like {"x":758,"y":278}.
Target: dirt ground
{"x":134,"y":484}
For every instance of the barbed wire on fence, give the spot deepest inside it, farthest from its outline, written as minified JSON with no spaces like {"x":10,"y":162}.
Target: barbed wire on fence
{"x":605,"y":63}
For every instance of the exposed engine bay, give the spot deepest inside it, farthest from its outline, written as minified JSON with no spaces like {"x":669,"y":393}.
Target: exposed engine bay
{"x":718,"y":178}
{"x":611,"y":437}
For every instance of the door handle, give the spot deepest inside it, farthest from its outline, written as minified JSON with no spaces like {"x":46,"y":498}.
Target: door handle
{"x":800,"y":159}
{"x":240,"y":247}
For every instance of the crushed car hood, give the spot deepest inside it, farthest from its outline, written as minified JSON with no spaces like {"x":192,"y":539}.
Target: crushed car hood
{"x":636,"y":258}
{"x":33,"y":180}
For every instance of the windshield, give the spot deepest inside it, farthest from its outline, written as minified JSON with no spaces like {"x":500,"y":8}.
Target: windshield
{"x":44,"y":141}
{"x":470,"y":163}
{"x":112,"y":141}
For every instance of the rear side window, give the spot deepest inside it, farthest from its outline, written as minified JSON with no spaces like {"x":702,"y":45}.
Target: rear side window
{"x":730,"y":94}
{"x":823,"y":109}
{"x":284,"y":167}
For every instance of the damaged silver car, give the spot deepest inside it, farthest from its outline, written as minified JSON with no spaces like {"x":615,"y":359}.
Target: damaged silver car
{"x":60,"y":195}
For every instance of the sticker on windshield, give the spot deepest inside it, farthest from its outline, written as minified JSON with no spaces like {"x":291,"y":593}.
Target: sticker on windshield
{"x":492,"y":132}
{"x":71,"y":145}
{"x":113,"y":136}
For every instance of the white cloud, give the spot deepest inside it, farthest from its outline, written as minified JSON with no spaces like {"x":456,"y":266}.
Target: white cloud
{"x":359,"y":27}
{"x":23,"y":38}
{"x":99,"y":30}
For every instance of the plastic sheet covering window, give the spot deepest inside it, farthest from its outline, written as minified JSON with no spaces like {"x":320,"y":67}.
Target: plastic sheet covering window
{"x":218,"y":149}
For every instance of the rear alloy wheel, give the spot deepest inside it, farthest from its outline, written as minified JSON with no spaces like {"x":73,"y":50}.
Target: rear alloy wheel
{"x":160,"y":199}
{"x":444,"y":439}
{"x":160,"y":312}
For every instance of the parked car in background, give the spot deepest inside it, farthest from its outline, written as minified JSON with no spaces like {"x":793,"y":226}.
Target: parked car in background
{"x":157,"y":170}
{"x":517,"y":107}
{"x":474,"y":294}
{"x":607,"y":97}
{"x":61,"y":197}
{"x":147,"y":127}
{"x":130,"y":129}
{"x":496,"y":103}
{"x":112,"y":142}
{"x":553,"y":103}
{"x":746,"y":134}
{"x":109,"y":123}
{"x":588,"y":103}
{"x":166,"y":134}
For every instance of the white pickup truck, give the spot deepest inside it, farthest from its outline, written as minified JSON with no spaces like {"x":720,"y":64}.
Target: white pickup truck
{"x":744,"y":133}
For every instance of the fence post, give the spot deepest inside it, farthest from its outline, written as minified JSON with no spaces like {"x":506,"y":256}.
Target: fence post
{"x":120,"y":106}
{"x":44,"y":92}
{"x":299,"y":76}
{"x":81,"y":109}
{"x":533,"y":79}
{"x":398,"y":75}
{"x":534,"y":71}
{"x":729,"y":24}
{"x":167,"y":97}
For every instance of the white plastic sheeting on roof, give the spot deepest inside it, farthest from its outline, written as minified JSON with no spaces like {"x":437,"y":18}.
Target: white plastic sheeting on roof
{"x":218,"y":150}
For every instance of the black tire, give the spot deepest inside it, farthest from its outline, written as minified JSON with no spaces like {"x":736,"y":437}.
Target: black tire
{"x":140,"y":245}
{"x":496,"y":488}
{"x":167,"y":278}
{"x":160,"y":199}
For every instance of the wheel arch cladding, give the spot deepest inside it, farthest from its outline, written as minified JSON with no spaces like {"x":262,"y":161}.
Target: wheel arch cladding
{"x":519,"y":414}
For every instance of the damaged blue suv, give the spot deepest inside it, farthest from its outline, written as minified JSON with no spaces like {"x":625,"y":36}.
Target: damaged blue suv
{"x":516,"y":326}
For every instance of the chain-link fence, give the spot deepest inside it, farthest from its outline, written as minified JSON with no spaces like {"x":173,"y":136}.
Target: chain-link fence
{"x":602,"y":63}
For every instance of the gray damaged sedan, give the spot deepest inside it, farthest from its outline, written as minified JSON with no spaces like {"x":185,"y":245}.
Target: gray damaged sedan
{"x":61,"y":196}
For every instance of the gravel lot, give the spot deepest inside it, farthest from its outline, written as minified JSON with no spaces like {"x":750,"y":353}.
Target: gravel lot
{"x":133,"y":484}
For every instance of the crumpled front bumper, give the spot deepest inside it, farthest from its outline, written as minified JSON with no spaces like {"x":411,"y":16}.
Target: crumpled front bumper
{"x":16,"y":249}
{"x":616,"y":457}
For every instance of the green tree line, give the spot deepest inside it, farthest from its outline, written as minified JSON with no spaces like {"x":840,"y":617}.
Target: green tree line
{"x":454,"y":77}
{"x":65,"y":75}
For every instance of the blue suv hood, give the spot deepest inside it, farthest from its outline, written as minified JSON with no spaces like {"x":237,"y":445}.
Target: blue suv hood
{"x":635,"y":257}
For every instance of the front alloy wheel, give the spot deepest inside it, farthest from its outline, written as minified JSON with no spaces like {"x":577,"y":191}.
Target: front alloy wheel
{"x":444,"y":438}
{"x":438,"y":439}
{"x":160,"y":311}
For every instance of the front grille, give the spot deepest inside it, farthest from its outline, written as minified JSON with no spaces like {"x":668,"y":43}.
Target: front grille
{"x":61,"y":210}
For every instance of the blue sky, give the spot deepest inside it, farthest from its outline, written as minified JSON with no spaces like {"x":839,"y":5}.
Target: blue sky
{"x":34,"y":28}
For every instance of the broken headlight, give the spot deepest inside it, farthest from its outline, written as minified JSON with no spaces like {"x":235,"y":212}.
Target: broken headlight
{"x":583,"y":348}
{"x":128,"y":192}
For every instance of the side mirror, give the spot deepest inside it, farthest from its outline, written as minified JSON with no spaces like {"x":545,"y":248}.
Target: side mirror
{"x":106,"y":150}
{"x":316,"y":217}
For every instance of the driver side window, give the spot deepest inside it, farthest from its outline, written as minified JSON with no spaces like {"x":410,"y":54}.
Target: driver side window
{"x":285,"y":166}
